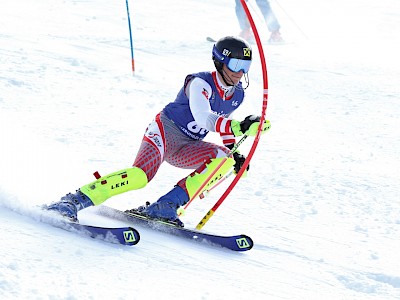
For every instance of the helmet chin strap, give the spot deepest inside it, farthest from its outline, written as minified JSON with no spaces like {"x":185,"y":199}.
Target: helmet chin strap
{"x":229,"y":82}
{"x":227,"y":89}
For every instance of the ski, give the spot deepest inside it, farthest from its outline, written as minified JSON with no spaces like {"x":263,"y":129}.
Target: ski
{"x":239,"y":242}
{"x":119,"y":235}
{"x":210,"y":39}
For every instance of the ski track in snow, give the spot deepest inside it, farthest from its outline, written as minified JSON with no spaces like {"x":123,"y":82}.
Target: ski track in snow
{"x":321,"y":200}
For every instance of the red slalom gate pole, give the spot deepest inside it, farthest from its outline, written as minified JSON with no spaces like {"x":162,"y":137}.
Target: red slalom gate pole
{"x":262,"y":119}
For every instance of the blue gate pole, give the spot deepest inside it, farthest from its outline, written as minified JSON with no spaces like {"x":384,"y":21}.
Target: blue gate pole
{"x":130,"y":37}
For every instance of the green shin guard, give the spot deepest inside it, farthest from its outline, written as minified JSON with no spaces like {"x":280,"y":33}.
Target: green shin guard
{"x":115,"y":183}
{"x":194,"y":182}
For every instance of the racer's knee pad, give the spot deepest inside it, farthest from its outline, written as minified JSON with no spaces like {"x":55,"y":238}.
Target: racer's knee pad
{"x":196,"y":180}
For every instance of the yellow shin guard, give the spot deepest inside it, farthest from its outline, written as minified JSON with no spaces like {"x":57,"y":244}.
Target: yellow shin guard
{"x":115,"y":183}
{"x":195,"y":182}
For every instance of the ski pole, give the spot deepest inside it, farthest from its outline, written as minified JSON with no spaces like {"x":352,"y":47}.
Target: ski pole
{"x":130,"y":37}
{"x":200,"y":189}
{"x":204,"y":193}
{"x":262,"y":119}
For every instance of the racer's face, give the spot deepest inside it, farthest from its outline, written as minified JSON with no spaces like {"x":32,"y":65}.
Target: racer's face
{"x":233,"y":76}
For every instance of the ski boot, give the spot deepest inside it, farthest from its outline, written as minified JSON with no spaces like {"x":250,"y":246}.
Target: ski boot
{"x":165,"y":208}
{"x":276,"y":38}
{"x":70,"y":204}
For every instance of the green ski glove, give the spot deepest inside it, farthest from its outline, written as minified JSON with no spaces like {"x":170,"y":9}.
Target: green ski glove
{"x":249,"y":126}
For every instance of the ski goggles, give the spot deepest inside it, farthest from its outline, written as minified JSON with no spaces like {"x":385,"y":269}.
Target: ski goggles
{"x":237,"y":65}
{"x":233,"y":64}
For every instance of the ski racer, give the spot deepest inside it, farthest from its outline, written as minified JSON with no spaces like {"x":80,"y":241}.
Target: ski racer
{"x":176,"y":135}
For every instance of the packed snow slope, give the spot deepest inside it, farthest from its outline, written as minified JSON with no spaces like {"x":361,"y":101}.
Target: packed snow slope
{"x":322,"y":197}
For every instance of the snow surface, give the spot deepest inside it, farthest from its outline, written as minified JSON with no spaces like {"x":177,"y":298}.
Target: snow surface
{"x":322,"y":197}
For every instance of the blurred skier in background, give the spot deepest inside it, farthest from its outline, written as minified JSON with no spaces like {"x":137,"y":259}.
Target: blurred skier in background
{"x":269,"y":16}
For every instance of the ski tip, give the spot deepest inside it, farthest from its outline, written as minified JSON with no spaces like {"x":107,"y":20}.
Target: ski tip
{"x":130,"y":236}
{"x":244,"y":243}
